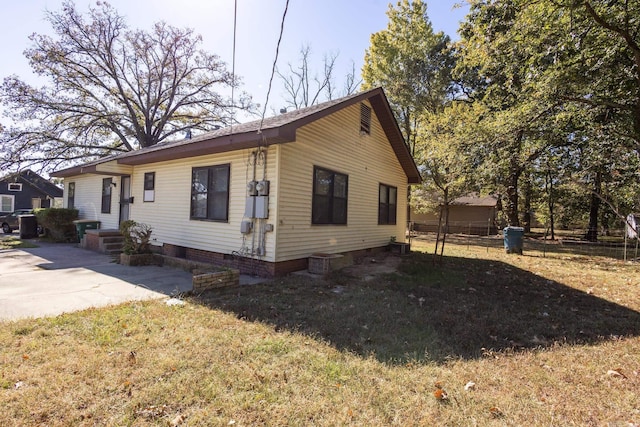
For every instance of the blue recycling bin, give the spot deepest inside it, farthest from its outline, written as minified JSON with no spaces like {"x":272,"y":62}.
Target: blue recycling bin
{"x":513,"y":237}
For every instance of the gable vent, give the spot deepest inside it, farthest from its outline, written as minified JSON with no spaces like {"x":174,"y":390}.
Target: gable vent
{"x":365,"y":120}
{"x":15,"y":186}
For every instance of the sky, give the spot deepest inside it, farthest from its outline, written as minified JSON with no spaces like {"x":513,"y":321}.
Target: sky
{"x":340,"y":27}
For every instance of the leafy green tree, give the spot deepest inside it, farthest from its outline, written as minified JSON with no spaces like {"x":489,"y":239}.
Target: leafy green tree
{"x":413,"y":65}
{"x":516,"y":109}
{"x":110,"y":90}
{"x":444,"y":155}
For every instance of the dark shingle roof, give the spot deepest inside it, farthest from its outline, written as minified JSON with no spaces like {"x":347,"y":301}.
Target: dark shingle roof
{"x":273,"y":130}
{"x":31,"y":178}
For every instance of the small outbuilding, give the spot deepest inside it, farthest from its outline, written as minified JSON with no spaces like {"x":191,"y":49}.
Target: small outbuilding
{"x":469,"y":214}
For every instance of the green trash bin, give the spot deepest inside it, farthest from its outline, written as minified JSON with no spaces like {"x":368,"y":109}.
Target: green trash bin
{"x":82,"y":225}
{"x":513,"y":237}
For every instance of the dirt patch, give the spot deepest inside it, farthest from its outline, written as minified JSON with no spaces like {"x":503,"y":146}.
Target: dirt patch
{"x":367,"y":268}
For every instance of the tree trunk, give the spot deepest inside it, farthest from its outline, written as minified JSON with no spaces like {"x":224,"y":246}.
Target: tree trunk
{"x":512,"y":183}
{"x":592,"y":232}
{"x":512,"y":196}
{"x":550,"y":202}
{"x":526,"y":215}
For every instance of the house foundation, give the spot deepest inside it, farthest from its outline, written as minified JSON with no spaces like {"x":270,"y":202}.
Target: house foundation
{"x":253,"y":266}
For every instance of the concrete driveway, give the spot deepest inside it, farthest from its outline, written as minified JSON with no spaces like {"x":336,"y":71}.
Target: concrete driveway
{"x":56,"y":278}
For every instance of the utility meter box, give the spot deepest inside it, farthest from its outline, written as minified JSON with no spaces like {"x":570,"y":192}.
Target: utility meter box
{"x":262,"y":187}
{"x":251,"y":188}
{"x":250,"y":207}
{"x":246,"y":227}
{"x":262,"y":207}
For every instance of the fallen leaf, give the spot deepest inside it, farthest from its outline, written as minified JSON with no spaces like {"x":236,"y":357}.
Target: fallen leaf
{"x":440,"y":394}
{"x":616,"y":373}
{"x":177,"y":420}
{"x":496,"y":412}
{"x":25,"y":357}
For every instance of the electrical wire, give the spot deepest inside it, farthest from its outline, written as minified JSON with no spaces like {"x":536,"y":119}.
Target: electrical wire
{"x":273,"y":68}
{"x":233,"y":64}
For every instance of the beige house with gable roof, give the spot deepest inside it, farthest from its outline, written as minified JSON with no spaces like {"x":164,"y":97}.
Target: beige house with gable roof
{"x":331,"y":178}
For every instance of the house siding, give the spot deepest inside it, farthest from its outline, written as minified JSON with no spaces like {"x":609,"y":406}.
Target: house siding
{"x":169,"y":213}
{"x":88,"y":199}
{"x":114,"y":168}
{"x":335,"y":143}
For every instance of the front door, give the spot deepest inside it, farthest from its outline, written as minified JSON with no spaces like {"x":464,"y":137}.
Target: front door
{"x":125,"y":198}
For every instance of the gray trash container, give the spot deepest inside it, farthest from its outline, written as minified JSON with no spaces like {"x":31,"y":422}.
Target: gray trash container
{"x":513,"y":239}
{"x":28,"y":226}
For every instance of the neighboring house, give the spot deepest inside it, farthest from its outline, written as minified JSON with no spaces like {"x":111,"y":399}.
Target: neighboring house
{"x":467,"y":215}
{"x":27,"y":190}
{"x":331,"y":178}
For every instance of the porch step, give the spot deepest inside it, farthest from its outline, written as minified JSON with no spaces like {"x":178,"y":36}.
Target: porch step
{"x":114,"y":239}
{"x":104,"y":240}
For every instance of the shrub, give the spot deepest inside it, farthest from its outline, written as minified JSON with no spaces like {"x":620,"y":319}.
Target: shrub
{"x":137,"y":237}
{"x":58,"y":223}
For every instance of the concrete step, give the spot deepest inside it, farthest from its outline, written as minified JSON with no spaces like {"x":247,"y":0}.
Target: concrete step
{"x":114,"y":239}
{"x":112,"y":246}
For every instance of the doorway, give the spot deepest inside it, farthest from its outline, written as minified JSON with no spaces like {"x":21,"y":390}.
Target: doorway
{"x":125,"y":197}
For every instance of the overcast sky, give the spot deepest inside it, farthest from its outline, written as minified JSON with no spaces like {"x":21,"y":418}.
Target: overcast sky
{"x":327,"y":26}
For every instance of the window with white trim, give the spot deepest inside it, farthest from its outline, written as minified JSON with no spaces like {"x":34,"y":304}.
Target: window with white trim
{"x":149,"y":187}
{"x":387,"y":204}
{"x":106,"y":195}
{"x":71,"y":195}
{"x":330,"y":190}
{"x":14,"y":186}
{"x":210,"y":193}
{"x":7,"y":203}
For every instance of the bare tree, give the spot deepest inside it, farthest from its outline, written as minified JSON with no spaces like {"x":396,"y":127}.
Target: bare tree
{"x":110,"y":90}
{"x":304,"y":88}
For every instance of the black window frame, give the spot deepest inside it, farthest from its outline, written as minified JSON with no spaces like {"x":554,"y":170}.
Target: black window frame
{"x":149,"y":187}
{"x":329,"y":209}
{"x":71,"y":195}
{"x":106,"y":195}
{"x":387,"y":211}
{"x":209,"y":192}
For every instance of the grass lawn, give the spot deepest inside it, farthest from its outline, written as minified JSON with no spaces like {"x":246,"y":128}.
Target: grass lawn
{"x":484,"y":338}
{"x":8,"y":241}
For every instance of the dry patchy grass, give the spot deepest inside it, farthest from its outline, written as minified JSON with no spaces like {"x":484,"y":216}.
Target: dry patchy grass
{"x":11,"y":242}
{"x":547,"y":341}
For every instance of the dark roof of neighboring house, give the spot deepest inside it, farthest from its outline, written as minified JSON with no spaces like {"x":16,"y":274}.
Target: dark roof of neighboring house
{"x":273,"y":130}
{"x":474,"y":200}
{"x":33,"y":179}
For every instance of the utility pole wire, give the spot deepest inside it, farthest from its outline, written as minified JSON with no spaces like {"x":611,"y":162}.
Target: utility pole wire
{"x":273,"y":68}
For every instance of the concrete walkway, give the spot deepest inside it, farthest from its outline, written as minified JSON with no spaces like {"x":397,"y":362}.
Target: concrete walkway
{"x":56,"y":278}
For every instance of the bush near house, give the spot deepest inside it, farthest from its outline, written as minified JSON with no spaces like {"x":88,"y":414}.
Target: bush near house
{"x":137,"y":237}
{"x":58,"y":223}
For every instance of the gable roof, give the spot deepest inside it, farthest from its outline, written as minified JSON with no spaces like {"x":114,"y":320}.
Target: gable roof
{"x":475,"y":200}
{"x":274,"y":130}
{"x":31,"y":178}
